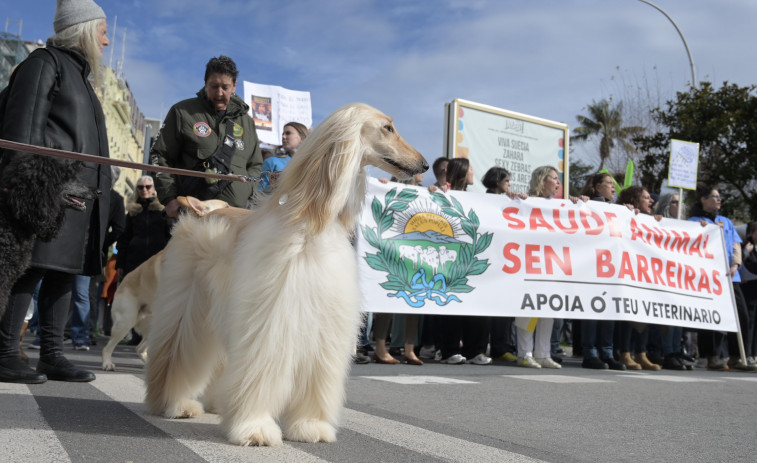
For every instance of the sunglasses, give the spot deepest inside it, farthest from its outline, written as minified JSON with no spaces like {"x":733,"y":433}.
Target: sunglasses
{"x":144,"y":187}
{"x":713,"y":197}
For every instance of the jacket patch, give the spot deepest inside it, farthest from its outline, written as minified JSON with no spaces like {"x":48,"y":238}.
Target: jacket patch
{"x":239,"y":143}
{"x":201,"y":129}
{"x":238,"y":130}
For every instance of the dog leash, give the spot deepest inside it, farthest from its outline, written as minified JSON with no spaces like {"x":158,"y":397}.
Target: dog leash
{"x":56,"y":153}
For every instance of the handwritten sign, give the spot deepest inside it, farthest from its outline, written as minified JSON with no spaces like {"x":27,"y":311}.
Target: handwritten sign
{"x":271,"y":107}
{"x":684,"y":160}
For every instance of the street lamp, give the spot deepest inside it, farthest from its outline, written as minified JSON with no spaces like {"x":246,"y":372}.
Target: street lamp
{"x":691,"y":60}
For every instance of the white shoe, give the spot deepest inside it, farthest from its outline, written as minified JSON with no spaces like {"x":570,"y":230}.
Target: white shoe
{"x":456,"y":359}
{"x":438,"y":355}
{"x":480,"y":359}
{"x":547,"y":362}
{"x":527,"y":362}
{"x":427,"y":352}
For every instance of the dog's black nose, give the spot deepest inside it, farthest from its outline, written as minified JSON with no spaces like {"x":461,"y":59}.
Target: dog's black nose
{"x":424,"y":166}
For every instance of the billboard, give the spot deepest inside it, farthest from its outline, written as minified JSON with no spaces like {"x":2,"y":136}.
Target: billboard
{"x":490,"y":136}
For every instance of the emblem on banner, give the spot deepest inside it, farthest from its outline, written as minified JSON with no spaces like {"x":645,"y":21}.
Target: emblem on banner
{"x":428,"y":250}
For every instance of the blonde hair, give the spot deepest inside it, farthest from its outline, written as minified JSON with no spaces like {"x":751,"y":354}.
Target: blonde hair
{"x":84,"y":38}
{"x":538,"y":176}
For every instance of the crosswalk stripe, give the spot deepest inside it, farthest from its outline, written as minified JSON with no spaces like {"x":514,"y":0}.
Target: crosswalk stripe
{"x":736,"y":378}
{"x":212,"y":446}
{"x":25,"y":434}
{"x":431,"y":443}
{"x":413,"y":380}
{"x":674,"y":379}
{"x":560,"y":379}
{"x":194,"y":434}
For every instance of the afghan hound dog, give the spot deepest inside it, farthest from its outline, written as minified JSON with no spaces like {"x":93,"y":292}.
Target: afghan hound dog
{"x":132,"y":307}
{"x":259,"y":313}
{"x":133,"y":301}
{"x":35,"y":192}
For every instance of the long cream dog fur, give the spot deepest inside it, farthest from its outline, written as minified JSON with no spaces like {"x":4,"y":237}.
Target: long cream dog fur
{"x":259,"y":313}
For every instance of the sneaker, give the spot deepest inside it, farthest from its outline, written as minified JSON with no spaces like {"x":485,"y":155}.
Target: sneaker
{"x":456,"y":359}
{"x":360,"y":358}
{"x":527,"y":362}
{"x":34,"y":345}
{"x":714,"y":363}
{"x":480,"y":359}
{"x":438,"y":355}
{"x":737,"y":364}
{"x":427,"y":352}
{"x":751,"y":360}
{"x":547,"y":362}
{"x":507,"y":357}
{"x":81,"y":346}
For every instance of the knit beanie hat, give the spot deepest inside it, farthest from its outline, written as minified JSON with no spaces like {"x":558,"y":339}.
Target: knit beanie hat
{"x":70,"y":12}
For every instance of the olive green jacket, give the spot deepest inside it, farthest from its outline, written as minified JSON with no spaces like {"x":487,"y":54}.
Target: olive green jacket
{"x":191,"y":132}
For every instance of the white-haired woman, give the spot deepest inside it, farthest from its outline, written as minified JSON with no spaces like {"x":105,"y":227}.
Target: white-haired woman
{"x":534,"y":347}
{"x":51,"y":102}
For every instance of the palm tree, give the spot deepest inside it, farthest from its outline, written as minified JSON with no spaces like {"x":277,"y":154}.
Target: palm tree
{"x":606,"y":122}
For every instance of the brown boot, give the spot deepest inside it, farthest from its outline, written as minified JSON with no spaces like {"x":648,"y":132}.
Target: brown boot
{"x":21,"y":352}
{"x":625,"y":359}
{"x":646,"y":363}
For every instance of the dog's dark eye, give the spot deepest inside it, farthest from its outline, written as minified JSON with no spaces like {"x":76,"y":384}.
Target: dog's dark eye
{"x":389,"y":128}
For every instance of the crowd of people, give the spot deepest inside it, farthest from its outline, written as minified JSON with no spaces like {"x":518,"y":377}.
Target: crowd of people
{"x":600,"y":344}
{"x":213,"y":132}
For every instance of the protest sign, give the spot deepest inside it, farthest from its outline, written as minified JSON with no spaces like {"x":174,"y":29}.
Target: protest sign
{"x":464,"y":253}
{"x":684,"y":161}
{"x":489,"y":137}
{"x":271,"y":107}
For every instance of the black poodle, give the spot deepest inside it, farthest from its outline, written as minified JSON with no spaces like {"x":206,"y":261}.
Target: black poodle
{"x":34,"y":193}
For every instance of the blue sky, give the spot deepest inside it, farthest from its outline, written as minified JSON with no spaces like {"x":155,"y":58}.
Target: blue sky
{"x":546,"y":58}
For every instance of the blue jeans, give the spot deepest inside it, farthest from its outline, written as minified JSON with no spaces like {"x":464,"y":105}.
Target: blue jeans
{"x":671,"y":341}
{"x":80,"y":309}
{"x":597,"y":338}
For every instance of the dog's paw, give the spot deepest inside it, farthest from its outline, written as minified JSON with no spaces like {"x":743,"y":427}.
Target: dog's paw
{"x":259,"y":432}
{"x":184,"y":409}
{"x":311,"y":431}
{"x":109,"y":366}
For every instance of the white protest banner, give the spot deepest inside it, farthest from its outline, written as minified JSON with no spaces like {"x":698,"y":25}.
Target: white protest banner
{"x":489,"y":137}
{"x":684,"y":161}
{"x":464,"y":253}
{"x":272,"y":106}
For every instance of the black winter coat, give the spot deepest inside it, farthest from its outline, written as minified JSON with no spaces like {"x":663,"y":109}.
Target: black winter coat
{"x":147,"y":232}
{"x":72,"y":119}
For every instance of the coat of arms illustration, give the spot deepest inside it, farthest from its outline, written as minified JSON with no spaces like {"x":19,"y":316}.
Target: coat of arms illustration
{"x":427,"y":248}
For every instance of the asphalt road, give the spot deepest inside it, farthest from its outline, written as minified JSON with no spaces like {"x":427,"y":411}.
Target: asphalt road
{"x":402,"y":413}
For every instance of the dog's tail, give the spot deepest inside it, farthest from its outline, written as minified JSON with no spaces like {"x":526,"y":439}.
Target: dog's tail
{"x":183,"y":347}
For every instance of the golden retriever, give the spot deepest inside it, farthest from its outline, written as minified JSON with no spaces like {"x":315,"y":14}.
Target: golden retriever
{"x":259,"y":313}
